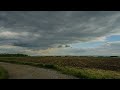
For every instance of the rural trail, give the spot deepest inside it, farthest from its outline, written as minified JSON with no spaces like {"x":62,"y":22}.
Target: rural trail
{"x":17,"y":71}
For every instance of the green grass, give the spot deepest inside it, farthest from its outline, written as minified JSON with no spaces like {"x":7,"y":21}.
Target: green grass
{"x":83,"y":73}
{"x":3,"y":73}
{"x":86,"y":73}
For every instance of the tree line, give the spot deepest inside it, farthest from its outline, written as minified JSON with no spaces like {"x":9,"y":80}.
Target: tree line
{"x":13,"y":55}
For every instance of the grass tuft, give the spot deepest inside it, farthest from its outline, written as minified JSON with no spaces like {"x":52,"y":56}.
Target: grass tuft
{"x":3,"y":73}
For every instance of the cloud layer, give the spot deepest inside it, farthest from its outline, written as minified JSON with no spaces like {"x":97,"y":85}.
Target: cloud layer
{"x":35,"y":32}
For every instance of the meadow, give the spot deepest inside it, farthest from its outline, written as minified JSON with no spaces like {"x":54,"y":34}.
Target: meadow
{"x":80,"y":66}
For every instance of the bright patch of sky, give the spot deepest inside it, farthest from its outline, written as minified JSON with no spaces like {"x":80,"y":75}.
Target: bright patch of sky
{"x":114,"y":38}
{"x":87,"y":44}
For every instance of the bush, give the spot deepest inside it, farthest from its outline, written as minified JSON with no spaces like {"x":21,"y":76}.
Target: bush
{"x":50,"y":66}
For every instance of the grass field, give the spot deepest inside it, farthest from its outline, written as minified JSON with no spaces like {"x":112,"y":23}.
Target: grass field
{"x":82,"y":67}
{"x":3,"y":73}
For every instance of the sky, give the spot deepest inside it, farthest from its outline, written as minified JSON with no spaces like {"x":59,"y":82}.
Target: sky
{"x":42,"y":33}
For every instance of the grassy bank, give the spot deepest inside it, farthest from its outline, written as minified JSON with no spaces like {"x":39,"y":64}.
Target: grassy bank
{"x":83,"y":73}
{"x":87,"y":73}
{"x":3,"y":73}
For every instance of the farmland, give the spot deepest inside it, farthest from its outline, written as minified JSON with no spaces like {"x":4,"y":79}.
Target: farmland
{"x":82,"y":67}
{"x":105,"y":63}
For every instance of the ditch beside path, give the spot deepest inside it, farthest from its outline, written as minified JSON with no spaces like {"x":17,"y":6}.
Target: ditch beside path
{"x":17,"y":71}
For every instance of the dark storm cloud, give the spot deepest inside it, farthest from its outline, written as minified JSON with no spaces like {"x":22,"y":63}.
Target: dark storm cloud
{"x":67,"y":45}
{"x":43,"y":29}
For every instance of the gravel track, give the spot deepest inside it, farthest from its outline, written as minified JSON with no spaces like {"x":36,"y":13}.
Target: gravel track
{"x":17,"y":71}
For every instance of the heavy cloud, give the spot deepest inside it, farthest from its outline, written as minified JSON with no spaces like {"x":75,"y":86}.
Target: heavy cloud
{"x":40,"y":30}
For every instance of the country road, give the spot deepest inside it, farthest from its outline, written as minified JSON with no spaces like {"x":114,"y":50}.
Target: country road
{"x":17,"y":71}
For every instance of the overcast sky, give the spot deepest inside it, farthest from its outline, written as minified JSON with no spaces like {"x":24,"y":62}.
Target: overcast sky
{"x":60,"y":32}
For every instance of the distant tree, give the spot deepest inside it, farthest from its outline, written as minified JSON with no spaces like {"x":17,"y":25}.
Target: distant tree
{"x":113,"y":56}
{"x":12,"y":55}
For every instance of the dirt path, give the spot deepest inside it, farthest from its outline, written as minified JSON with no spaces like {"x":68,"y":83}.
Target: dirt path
{"x":29,"y":72}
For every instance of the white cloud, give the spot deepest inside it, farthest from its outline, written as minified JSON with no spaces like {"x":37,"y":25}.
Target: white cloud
{"x":17,"y":35}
